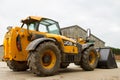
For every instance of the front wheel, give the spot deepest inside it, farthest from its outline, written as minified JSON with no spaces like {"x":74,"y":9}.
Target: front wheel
{"x":89,"y":59}
{"x":45,"y":60}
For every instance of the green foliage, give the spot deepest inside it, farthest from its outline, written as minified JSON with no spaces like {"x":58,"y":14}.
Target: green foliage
{"x":116,"y":51}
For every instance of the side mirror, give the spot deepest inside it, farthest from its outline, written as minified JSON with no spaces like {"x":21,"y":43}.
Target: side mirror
{"x":88,"y":34}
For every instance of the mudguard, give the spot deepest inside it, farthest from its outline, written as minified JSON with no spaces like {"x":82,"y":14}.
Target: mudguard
{"x":32,"y":45}
{"x":84,"y":46}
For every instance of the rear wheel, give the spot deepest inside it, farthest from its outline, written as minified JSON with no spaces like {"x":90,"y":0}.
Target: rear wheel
{"x":89,"y":59}
{"x":17,"y":65}
{"x":45,"y":60}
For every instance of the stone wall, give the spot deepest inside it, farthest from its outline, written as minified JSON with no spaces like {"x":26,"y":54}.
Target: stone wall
{"x":76,"y":32}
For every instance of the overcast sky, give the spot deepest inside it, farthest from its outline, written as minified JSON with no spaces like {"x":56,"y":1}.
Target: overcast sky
{"x":101,"y":16}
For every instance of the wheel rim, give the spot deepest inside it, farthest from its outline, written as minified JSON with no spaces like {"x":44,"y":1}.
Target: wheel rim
{"x":92,"y":58}
{"x":48,"y":59}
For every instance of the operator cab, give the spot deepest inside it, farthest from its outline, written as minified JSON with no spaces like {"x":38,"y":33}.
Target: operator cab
{"x":42,"y":25}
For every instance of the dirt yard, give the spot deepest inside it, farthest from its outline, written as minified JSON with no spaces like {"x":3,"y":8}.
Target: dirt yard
{"x":71,"y":73}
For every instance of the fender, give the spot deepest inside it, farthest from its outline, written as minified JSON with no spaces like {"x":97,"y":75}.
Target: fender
{"x":32,"y":45}
{"x":85,"y":46}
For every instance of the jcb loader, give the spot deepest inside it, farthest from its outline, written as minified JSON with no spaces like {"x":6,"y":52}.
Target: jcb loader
{"x":39,"y":45}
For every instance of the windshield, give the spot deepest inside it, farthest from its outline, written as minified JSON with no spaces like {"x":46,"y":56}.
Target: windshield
{"x":45,"y":25}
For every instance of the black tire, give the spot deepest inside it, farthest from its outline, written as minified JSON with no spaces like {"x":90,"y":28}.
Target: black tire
{"x":45,"y":60}
{"x":17,"y":65}
{"x":89,"y":59}
{"x":64,"y":65}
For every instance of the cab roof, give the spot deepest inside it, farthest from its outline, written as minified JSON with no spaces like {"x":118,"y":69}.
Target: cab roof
{"x":31,"y":19}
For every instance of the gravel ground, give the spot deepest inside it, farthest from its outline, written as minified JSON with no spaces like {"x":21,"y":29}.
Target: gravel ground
{"x":71,"y":73}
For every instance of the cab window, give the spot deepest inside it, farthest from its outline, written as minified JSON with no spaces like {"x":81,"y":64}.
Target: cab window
{"x":33,"y":26}
{"x":53,"y":29}
{"x":42,"y":28}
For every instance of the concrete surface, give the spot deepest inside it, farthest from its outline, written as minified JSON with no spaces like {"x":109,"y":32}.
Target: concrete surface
{"x":71,"y":73}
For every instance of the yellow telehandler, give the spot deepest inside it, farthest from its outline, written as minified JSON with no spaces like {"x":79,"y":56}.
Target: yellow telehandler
{"x":39,"y":45}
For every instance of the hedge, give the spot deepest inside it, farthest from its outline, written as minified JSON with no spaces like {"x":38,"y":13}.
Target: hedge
{"x":116,"y":51}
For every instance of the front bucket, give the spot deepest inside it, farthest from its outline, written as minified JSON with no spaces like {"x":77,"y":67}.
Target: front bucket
{"x":107,"y":59}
